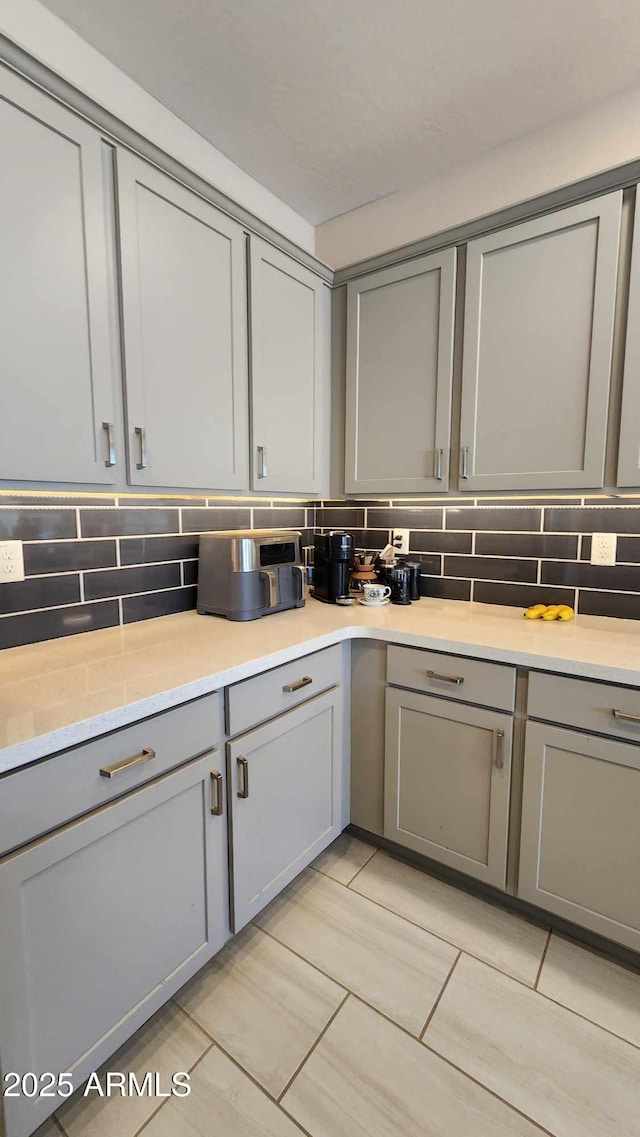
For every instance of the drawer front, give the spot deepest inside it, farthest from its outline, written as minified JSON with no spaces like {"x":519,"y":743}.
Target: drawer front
{"x":454,"y":676}
{"x":49,"y":794}
{"x":585,"y":704}
{"x":255,"y":700}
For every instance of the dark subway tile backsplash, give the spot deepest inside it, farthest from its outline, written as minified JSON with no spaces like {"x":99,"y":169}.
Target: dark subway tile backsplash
{"x":492,"y":568}
{"x":125,"y":522}
{"x":439,"y":541}
{"x":39,"y":592}
{"x":556,"y":545}
{"x":520,"y":595}
{"x":405,"y":517}
{"x":280,"y":518}
{"x":154,"y":604}
{"x":37,"y":524}
{"x":612,"y":519}
{"x":120,"y":582}
{"x":210,"y":520}
{"x":33,"y":627}
{"x":514,"y":519}
{"x":144,"y":550}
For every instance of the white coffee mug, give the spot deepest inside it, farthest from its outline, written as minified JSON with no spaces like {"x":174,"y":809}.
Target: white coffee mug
{"x":375,"y":593}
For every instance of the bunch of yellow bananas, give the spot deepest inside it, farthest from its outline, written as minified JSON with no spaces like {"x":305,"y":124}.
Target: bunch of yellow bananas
{"x":550,"y":612}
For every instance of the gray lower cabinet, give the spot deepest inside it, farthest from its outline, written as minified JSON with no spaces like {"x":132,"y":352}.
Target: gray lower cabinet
{"x":290,"y":319}
{"x":538,"y":333}
{"x":183,"y":266}
{"x":288,"y":788}
{"x":399,"y":377}
{"x":55,"y":364}
{"x":148,"y":878}
{"x":580,"y":853}
{"x":447,"y":782}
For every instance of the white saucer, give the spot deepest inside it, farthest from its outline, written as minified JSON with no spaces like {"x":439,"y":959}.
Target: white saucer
{"x":374,"y":603}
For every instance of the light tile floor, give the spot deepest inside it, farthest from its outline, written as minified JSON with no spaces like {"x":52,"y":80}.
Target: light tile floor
{"x":370,"y":1000}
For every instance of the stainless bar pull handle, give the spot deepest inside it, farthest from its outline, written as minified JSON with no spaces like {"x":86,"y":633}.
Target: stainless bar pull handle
{"x":216,"y":793}
{"x":110,"y":460}
{"x":437,"y":472}
{"x":143,"y":461}
{"x":498,"y":741}
{"x":128,"y":763}
{"x":304,"y":682}
{"x":272,"y":583}
{"x":262,"y":459}
{"x":622,"y":716}
{"x":243,"y":777}
{"x":457,"y":679}
{"x":464,"y":464}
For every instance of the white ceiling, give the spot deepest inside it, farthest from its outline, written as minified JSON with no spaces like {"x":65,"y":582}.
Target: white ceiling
{"x":333,"y":103}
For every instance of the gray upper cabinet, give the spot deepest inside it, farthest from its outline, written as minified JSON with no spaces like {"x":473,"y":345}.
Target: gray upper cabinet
{"x":399,"y":377}
{"x":55,"y":369}
{"x":538,"y":331}
{"x":290,"y":374}
{"x":184,"y":318}
{"x":629,"y":452}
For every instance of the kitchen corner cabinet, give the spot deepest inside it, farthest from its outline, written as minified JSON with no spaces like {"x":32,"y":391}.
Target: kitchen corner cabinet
{"x":447,"y":782}
{"x":56,"y":369}
{"x":184,"y":317}
{"x":288,"y":799}
{"x":580,"y":855}
{"x":399,"y":377}
{"x":148,"y":876}
{"x":629,"y":450}
{"x":538,"y":332}
{"x":290,"y":320}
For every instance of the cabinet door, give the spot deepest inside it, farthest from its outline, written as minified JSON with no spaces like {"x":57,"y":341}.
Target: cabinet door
{"x":55,"y":361}
{"x":447,"y":779}
{"x":184,"y":315}
{"x":102,"y":922}
{"x":287,"y":788}
{"x":399,"y":376}
{"x":290,"y":373}
{"x":538,"y":331}
{"x":629,"y":451}
{"x":580,"y":854}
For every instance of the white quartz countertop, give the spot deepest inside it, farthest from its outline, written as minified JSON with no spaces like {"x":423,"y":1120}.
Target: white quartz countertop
{"x":60,"y":693}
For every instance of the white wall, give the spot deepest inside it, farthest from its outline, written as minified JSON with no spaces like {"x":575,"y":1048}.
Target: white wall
{"x":598,"y":139}
{"x":31,"y":26}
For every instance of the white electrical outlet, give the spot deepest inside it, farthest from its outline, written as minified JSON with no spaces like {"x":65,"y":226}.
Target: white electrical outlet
{"x":400,"y":540}
{"x":603,"y":548}
{"x":11,"y":561}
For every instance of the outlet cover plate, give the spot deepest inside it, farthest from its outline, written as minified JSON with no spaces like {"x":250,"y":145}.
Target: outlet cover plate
{"x":400,"y":540}
{"x":11,"y":562}
{"x":603,"y":548}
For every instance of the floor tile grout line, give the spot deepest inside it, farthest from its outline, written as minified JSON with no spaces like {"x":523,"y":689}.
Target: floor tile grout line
{"x":218,"y":1046}
{"x":166,"y":1100}
{"x":440,"y":994}
{"x":488,"y":1090}
{"x":544,"y":956}
{"x":367,"y":862}
{"x":313,"y":1047}
{"x":480,"y":959}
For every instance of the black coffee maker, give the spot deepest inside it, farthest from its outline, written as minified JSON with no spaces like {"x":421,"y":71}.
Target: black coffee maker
{"x":332,"y":562}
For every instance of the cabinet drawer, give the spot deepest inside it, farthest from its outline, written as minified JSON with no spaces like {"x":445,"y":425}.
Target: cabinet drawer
{"x":255,"y":700}
{"x":454,"y":676}
{"x":54,"y":791}
{"x":583,"y":703}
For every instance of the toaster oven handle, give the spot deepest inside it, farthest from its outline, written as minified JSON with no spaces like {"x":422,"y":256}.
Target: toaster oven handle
{"x":272,"y":582}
